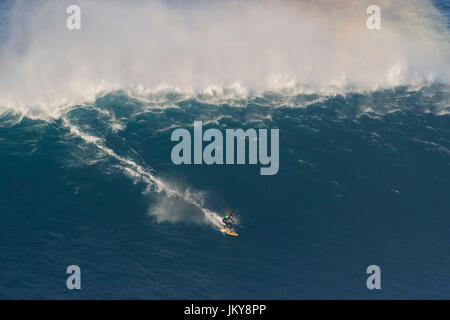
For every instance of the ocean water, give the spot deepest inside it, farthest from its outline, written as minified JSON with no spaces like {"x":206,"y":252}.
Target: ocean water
{"x":364,"y":180}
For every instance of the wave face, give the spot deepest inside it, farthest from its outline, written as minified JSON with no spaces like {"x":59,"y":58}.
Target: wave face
{"x":363,"y":179}
{"x":261,"y":45}
{"x":87,"y":179}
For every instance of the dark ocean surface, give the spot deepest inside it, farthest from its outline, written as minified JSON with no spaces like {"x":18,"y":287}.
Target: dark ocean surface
{"x":364,"y":179}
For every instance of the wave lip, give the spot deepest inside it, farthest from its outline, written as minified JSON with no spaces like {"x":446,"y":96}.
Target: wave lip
{"x":209,"y":47}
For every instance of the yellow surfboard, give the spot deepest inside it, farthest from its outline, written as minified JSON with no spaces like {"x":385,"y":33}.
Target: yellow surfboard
{"x":231,"y":233}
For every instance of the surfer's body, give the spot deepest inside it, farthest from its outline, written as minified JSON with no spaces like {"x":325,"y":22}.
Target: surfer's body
{"x":228,"y":219}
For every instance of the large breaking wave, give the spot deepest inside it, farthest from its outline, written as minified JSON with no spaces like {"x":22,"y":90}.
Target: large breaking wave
{"x":199,"y":46}
{"x":163,"y":54}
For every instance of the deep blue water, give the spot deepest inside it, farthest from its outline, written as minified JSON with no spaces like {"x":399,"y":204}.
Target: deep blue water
{"x":364,"y":179}
{"x":355,"y":187}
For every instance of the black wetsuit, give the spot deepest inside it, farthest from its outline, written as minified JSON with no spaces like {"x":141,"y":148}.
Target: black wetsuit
{"x":226,"y":221}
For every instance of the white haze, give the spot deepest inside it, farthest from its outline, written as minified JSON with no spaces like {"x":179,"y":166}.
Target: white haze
{"x":193,"y":45}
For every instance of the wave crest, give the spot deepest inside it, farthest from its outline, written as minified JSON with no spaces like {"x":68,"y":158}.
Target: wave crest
{"x":208,"y":46}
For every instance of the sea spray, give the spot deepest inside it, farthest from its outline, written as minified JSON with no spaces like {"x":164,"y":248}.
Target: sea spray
{"x":141,"y":173}
{"x":196,"y":46}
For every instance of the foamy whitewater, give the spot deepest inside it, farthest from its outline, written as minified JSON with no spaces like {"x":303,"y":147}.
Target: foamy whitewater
{"x":260,"y":45}
{"x":86,"y":175}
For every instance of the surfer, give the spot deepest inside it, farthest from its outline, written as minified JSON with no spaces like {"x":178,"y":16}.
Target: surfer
{"x":228,"y":219}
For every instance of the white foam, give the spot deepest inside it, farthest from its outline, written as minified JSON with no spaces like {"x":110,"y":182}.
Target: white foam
{"x":220,"y":48}
{"x":140,"y":173}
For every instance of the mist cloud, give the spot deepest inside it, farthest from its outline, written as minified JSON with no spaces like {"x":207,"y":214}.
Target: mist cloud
{"x":262,"y":45}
